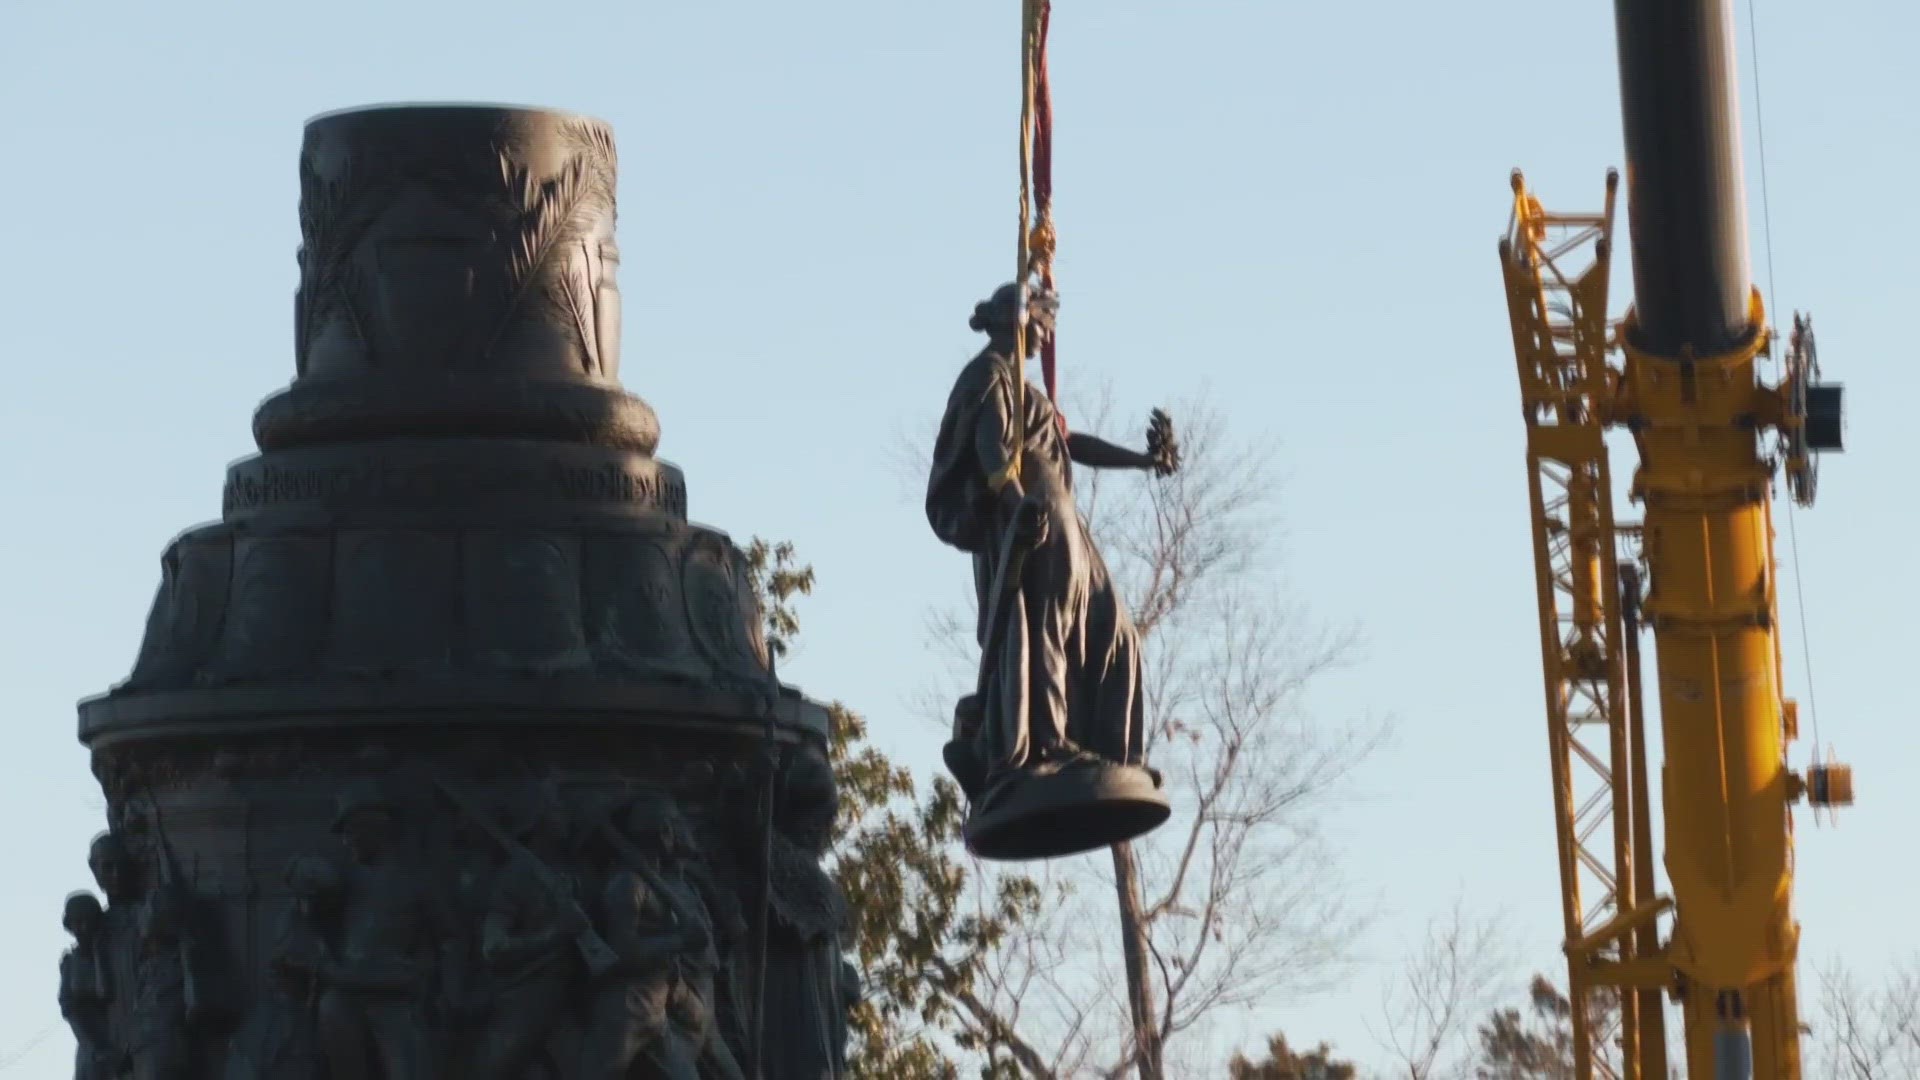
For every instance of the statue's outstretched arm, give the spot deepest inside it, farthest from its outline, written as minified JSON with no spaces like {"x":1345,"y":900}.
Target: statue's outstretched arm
{"x":1097,"y":453}
{"x":1162,"y":457}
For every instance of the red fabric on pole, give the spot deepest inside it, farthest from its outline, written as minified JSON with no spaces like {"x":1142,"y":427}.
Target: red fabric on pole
{"x":1043,"y":122}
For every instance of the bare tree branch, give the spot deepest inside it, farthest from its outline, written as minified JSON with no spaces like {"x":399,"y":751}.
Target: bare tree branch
{"x":988,"y":1020}
{"x":15,"y":1056}
{"x":1429,"y":1012}
{"x":1869,"y":1035}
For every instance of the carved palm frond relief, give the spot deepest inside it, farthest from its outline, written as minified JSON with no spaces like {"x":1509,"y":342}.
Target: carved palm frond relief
{"x":552,"y":245}
{"x":335,"y":212}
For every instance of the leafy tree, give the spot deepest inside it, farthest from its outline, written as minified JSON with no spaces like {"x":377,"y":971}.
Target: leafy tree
{"x":1536,"y":1044}
{"x":1284,"y":1063}
{"x":921,"y":931}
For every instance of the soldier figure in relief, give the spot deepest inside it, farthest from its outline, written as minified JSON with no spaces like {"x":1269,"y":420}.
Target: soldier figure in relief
{"x":654,"y":838}
{"x":119,"y":935}
{"x":640,"y":1011}
{"x":281,"y":1040}
{"x":390,"y":956}
{"x":530,"y":941}
{"x":85,"y":993}
{"x":157,"y":1035}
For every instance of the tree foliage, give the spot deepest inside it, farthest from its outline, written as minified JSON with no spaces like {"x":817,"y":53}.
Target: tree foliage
{"x":777,"y":580}
{"x":1536,"y":1043}
{"x":1284,"y":1063}
{"x":921,"y":929}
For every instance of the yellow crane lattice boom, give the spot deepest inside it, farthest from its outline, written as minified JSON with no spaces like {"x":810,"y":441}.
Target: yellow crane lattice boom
{"x":1556,"y":274}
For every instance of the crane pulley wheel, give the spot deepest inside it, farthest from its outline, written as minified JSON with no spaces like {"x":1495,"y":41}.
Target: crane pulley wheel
{"x":1815,"y":410}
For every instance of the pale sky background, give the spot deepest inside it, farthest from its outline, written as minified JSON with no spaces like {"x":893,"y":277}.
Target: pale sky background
{"x":1289,"y":207}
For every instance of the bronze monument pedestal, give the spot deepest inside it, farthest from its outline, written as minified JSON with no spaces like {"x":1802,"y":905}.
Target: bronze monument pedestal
{"x":452,"y":747}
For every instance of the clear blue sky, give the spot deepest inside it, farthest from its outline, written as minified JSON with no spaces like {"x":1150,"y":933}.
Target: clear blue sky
{"x":1292,"y":207}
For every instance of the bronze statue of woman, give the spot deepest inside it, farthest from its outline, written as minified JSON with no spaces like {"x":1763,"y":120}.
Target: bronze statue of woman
{"x":1049,"y":750}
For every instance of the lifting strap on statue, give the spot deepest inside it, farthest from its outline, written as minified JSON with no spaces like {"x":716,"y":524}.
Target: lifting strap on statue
{"x":1036,"y":236}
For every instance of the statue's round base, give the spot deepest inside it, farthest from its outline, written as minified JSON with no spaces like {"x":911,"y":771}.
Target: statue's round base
{"x":1069,"y":812}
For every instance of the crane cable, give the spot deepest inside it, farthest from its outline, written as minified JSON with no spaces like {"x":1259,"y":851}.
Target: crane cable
{"x":1036,"y":233}
{"x":1773,"y":295}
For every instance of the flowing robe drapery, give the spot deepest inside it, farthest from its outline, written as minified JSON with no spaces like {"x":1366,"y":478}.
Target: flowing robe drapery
{"x":1060,"y":657}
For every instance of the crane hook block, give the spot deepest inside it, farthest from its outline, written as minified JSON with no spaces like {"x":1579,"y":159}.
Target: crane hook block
{"x":1824,"y":417}
{"x":1830,"y":785}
